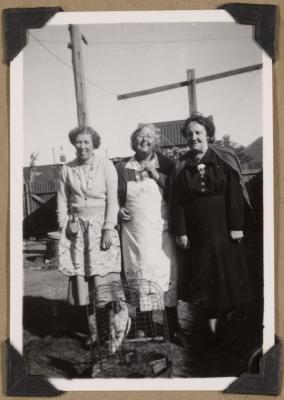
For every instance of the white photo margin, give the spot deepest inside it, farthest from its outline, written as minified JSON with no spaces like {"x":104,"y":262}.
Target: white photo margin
{"x":16,"y":213}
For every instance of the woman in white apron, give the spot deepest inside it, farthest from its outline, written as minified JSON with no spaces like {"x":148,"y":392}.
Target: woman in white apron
{"x":148,"y":250}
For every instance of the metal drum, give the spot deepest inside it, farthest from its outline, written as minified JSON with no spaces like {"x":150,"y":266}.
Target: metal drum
{"x":52,"y":245}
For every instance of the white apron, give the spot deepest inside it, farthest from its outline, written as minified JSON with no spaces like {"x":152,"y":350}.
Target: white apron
{"x":148,"y":249}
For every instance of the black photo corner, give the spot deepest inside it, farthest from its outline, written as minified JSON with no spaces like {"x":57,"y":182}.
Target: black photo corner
{"x":263,"y":375}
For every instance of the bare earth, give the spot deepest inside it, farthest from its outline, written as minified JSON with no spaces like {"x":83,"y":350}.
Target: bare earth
{"x":52,"y":349}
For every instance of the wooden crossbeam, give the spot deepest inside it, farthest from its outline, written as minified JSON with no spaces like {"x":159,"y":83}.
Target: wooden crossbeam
{"x":42,"y":202}
{"x":203,"y":79}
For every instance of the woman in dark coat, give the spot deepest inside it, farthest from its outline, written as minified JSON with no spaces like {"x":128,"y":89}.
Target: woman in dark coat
{"x":208,"y":216}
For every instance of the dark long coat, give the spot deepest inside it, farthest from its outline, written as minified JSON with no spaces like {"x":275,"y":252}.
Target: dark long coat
{"x":208,"y":203}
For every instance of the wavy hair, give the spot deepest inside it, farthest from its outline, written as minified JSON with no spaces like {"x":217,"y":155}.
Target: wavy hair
{"x":207,"y":122}
{"x":152,"y":128}
{"x":96,"y":139}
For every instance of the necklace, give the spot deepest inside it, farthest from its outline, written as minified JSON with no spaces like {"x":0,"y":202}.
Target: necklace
{"x":86,"y":178}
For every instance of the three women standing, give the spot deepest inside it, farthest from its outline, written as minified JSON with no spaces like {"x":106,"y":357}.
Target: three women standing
{"x":207,"y":198}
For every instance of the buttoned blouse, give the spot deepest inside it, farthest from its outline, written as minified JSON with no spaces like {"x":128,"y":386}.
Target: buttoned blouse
{"x":97,"y":189}
{"x":208,"y":178}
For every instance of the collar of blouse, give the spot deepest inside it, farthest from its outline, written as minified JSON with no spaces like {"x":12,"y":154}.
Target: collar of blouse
{"x":136,"y":166}
{"x":208,"y":158}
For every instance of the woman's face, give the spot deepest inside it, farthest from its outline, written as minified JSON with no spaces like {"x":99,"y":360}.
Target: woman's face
{"x":84,"y":146}
{"x":145,"y":142}
{"x":196,"y":137}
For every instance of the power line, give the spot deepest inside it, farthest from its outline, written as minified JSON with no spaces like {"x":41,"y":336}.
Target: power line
{"x":170,"y":41}
{"x":129,"y":75}
{"x":157,"y":41}
{"x":237,"y":104}
{"x":70,"y":66}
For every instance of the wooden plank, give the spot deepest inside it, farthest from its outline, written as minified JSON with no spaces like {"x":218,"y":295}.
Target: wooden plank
{"x":151,"y":91}
{"x":203,"y":79}
{"x":41,"y":201}
{"x":29,"y":207}
{"x":227,"y":74}
{"x":191,"y":91}
{"x":40,"y":212}
{"x":42,"y":186}
{"x":26,"y":195}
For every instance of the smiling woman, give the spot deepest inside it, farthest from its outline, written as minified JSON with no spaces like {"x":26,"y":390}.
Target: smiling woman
{"x":85,"y":141}
{"x":208,"y":218}
{"x":87,"y":214}
{"x":147,"y":246}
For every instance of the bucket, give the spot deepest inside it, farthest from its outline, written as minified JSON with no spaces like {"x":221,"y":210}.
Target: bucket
{"x":52,"y":245}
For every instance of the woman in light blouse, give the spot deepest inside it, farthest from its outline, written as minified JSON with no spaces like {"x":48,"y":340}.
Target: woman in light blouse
{"x":89,"y":249}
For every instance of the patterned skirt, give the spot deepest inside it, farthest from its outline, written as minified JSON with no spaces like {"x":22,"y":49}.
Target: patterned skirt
{"x":88,"y":266}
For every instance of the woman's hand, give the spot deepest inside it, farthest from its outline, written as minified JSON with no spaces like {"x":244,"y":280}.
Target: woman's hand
{"x":183,"y":242}
{"x":149,"y":167}
{"x":124,"y":214}
{"x":106,"y":240}
{"x":236,"y":235}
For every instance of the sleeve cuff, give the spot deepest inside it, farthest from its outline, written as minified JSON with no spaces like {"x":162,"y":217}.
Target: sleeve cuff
{"x":236,"y":228}
{"x":61,"y":224}
{"x":108,"y":225}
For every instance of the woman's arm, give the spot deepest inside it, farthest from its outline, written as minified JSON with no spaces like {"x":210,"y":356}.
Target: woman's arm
{"x":177,"y":207}
{"x":111,"y":196}
{"x":165,"y":171}
{"x":62,"y":197}
{"x":123,"y":213}
{"x":234,"y":203}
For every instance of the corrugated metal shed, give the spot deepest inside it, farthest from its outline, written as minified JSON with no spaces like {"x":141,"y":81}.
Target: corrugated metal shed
{"x":41,"y":172}
{"x":171,"y":133}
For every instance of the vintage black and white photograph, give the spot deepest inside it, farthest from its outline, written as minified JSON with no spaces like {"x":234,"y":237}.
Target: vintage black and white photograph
{"x":141,"y":148}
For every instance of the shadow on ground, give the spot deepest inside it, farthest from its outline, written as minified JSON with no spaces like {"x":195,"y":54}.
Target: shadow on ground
{"x":44,"y":317}
{"x":52,"y":349}
{"x":28,"y":251}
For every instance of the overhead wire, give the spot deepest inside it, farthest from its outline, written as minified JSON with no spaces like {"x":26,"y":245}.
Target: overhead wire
{"x":70,"y":66}
{"x":58,"y":66}
{"x":240,"y":99}
{"x":51,"y":52}
{"x":126,"y":54}
{"x":157,"y":41}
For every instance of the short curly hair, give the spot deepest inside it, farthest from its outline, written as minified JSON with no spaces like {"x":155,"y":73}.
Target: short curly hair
{"x":96,"y":139}
{"x":207,"y":122}
{"x":140,"y":127}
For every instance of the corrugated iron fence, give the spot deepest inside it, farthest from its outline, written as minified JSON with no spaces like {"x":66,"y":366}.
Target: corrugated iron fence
{"x":39,"y":207}
{"x":40,"y":203}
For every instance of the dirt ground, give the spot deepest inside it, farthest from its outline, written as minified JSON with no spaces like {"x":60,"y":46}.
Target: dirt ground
{"x":52,"y":349}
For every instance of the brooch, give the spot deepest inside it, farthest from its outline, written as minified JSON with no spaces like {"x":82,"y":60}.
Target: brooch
{"x":201,"y":169}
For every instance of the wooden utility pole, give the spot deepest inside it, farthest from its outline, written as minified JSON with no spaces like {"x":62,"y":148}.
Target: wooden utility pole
{"x":191,"y":91}
{"x":78,"y":69}
{"x":53,"y":155}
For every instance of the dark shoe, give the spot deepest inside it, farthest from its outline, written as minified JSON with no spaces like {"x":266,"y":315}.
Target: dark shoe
{"x":176,"y":337}
{"x":88,"y":342}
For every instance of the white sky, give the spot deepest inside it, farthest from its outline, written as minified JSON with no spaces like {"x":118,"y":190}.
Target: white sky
{"x":121,"y":58}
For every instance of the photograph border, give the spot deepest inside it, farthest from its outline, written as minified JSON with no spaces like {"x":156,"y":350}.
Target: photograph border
{"x":269,"y":216}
